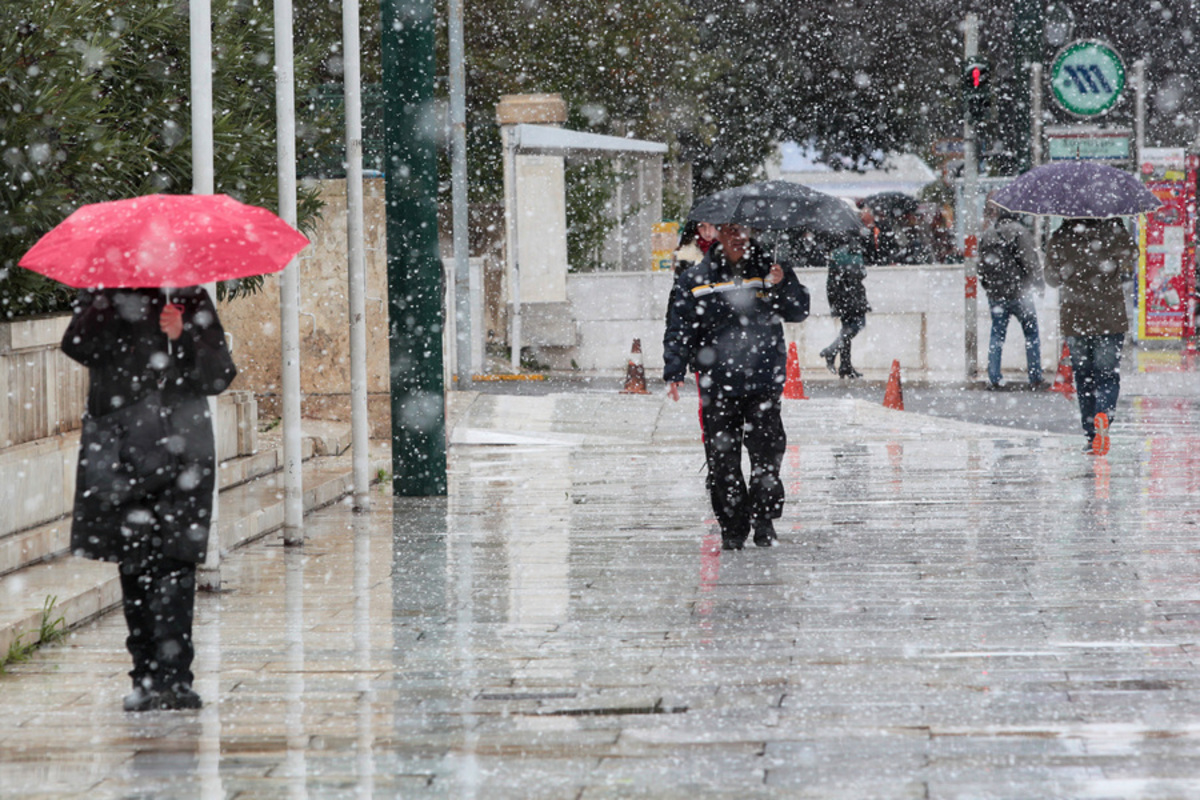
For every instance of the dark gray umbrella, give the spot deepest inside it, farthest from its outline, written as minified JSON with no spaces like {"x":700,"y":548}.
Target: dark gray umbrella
{"x":778,"y":205}
{"x":1076,"y":189}
{"x":891,"y":205}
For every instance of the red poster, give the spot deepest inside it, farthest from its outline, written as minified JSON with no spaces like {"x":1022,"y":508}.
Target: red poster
{"x":1167,"y":273}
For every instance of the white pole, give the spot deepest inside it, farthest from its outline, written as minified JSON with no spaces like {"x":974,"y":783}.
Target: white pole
{"x":511,"y":216}
{"x":352,"y":89}
{"x":203,"y":182}
{"x":971,"y":223}
{"x":458,"y":181}
{"x":289,"y":287}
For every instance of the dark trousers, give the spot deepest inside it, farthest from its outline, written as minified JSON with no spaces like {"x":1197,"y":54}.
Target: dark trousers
{"x":851,"y":327}
{"x":158,"y":596}
{"x":730,"y":422}
{"x":1096,"y":362}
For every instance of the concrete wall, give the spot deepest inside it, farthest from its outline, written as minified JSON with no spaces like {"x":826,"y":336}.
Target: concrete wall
{"x":917,"y":317}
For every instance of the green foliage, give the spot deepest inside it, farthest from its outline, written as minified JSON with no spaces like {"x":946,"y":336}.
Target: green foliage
{"x":94,"y":106}
{"x":590,"y":186}
{"x":50,"y":630}
{"x":626,"y":68}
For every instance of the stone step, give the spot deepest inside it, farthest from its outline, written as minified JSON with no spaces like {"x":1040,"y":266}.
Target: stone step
{"x":83,"y":589}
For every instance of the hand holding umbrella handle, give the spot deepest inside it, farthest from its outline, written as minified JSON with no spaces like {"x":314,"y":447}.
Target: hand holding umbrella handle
{"x":775,"y":276}
{"x":170,"y":321}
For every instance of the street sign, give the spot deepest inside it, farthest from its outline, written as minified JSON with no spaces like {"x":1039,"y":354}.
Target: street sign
{"x":1089,"y":143}
{"x":1087,"y":78}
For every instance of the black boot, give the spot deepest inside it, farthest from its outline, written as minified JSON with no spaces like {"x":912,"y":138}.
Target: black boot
{"x":830,"y":356}
{"x":142,"y":698}
{"x":764,"y":533}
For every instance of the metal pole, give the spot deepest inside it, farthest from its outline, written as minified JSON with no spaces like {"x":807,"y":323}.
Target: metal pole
{"x":512,"y":211}
{"x":1035,"y":134}
{"x":352,"y":89}
{"x":203,"y":182}
{"x":1139,"y":112}
{"x":415,"y":273}
{"x":458,"y":182}
{"x":971,"y":222}
{"x":289,"y":286}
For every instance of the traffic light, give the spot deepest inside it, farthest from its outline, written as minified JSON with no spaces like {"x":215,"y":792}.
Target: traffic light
{"x":977,"y":89}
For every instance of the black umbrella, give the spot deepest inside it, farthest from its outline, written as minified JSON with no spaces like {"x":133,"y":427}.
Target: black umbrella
{"x":1076,"y":189}
{"x":891,"y":205}
{"x":778,"y":205}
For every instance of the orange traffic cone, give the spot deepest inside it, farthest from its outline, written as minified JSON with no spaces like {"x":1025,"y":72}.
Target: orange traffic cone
{"x":635,"y":372}
{"x":893,"y":396}
{"x":793,"y":388}
{"x":1064,"y":381}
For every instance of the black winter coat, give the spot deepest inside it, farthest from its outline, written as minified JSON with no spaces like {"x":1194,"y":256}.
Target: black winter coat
{"x":844,"y":287}
{"x":115,"y":334}
{"x":724,"y":324}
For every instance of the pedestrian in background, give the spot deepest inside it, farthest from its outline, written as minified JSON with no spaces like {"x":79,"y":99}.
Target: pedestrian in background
{"x":848,"y":302}
{"x":1088,"y":259}
{"x":135,"y":344}
{"x":724,"y":323}
{"x":694,"y":241}
{"x":1010,"y":272}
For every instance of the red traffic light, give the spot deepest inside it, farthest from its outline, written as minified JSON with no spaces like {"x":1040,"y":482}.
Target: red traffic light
{"x":976,"y":76}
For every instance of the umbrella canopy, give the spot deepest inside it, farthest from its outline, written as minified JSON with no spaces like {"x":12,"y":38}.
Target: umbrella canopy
{"x":1076,"y":189}
{"x":777,"y":205}
{"x":164,"y":240}
{"x":891,"y":205}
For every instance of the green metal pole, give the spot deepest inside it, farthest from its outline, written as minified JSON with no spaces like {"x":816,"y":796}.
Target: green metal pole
{"x":415,"y":316}
{"x":1028,"y":24}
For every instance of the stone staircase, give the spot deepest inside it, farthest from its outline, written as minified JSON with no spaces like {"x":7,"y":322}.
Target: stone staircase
{"x":42,"y":395}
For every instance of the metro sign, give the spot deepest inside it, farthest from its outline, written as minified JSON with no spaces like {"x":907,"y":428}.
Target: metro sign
{"x":1087,"y":78}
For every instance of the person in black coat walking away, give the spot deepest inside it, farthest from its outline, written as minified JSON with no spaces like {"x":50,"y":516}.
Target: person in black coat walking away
{"x":146,"y":356}
{"x":724,"y":323}
{"x":848,"y":301}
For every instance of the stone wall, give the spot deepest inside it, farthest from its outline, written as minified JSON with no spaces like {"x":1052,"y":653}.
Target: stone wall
{"x":254,"y":322}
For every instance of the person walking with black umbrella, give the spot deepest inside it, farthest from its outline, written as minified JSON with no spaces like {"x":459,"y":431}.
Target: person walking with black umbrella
{"x":724,"y":323}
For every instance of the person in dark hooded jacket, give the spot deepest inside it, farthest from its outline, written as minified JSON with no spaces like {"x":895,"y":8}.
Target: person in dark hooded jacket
{"x":724,"y":323}
{"x":138,"y":347}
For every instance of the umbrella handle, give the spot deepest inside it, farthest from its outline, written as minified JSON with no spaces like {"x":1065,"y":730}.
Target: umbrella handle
{"x":166,"y":302}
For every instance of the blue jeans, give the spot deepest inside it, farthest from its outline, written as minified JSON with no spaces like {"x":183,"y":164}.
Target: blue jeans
{"x":1021,"y":308}
{"x":1096,"y":361}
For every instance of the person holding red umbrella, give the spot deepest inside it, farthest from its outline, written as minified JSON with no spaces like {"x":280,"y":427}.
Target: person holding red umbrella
{"x":148,"y":356}
{"x":155,"y":351}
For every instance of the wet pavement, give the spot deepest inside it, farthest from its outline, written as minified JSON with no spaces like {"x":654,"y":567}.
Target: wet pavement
{"x":956,"y":610}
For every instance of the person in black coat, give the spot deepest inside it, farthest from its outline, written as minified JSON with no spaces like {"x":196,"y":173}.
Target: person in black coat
{"x":139,"y":348}
{"x":848,"y":301}
{"x":724,"y":323}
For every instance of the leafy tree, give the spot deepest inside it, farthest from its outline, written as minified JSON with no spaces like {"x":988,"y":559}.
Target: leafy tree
{"x":625,"y":67}
{"x":94,"y":106}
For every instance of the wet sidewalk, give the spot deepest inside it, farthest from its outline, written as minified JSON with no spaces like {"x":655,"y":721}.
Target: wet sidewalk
{"x":955,"y":611}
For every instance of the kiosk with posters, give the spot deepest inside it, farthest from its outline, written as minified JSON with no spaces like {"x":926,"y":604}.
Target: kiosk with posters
{"x":1167,"y":243}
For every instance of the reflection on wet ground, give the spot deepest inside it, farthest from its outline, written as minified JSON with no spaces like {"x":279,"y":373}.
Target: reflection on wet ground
{"x":955,"y":611}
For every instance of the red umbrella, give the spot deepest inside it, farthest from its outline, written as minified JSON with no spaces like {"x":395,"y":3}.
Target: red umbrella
{"x":164,"y":240}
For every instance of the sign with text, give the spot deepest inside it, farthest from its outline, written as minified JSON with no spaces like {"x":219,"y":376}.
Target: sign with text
{"x":1088,"y":143}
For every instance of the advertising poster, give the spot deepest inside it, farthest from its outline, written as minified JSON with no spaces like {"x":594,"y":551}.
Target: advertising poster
{"x":1167,"y":264}
{"x":663,"y":240}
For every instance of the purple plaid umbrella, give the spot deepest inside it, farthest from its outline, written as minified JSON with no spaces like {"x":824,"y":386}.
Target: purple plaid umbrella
{"x":1076,"y":189}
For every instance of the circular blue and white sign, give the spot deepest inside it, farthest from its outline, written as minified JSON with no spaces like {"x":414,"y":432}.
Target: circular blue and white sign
{"x":1087,"y":78}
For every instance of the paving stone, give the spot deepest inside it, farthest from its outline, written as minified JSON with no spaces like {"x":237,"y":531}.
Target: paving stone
{"x":956,"y":611}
